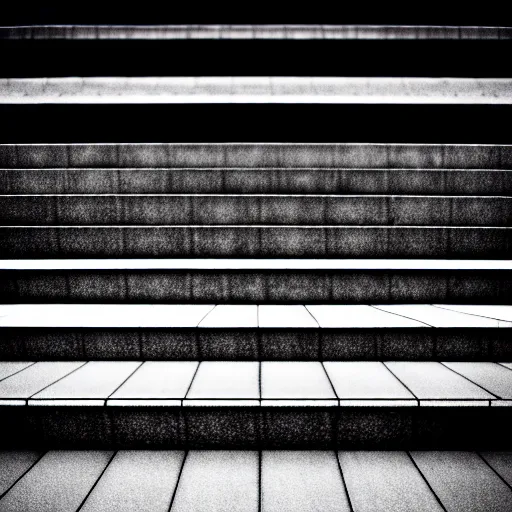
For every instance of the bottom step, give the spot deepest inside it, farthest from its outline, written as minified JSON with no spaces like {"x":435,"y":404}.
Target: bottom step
{"x":175,"y":481}
{"x":252,"y":405}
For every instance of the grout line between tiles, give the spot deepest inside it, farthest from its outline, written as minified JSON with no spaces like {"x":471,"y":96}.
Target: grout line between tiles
{"x":58,"y":380}
{"x":185,"y":455}
{"x":23,"y":474}
{"x":96,"y":482}
{"x":401,"y":382}
{"x":343,"y":481}
{"x":313,"y":316}
{"x":330,"y":382}
{"x":403,"y":316}
{"x":124,"y":381}
{"x":260,"y":487}
{"x":494,"y":471}
{"x":202,"y":319}
{"x":19,"y":371}
{"x":472,"y":382}
{"x":191,"y":382}
{"x":426,"y":481}
{"x":470,"y":314}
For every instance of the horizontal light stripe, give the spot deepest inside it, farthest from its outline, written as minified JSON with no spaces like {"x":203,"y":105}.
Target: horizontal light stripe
{"x":198,"y":90}
{"x":378,"y":403}
{"x":221,"y":403}
{"x":454,"y":403}
{"x":260,"y":31}
{"x":256,"y":264}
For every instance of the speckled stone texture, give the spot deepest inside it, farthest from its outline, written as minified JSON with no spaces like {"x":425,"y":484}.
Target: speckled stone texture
{"x":343,"y":286}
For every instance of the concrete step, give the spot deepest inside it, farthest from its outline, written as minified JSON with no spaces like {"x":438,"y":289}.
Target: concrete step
{"x":288,"y":210}
{"x":263,"y":32}
{"x":250,"y":405}
{"x":253,"y":333}
{"x":255,"y":242}
{"x":162,"y":481}
{"x":250,"y":155}
{"x":256,"y":89}
{"x":257,"y":180}
{"x":108,"y":282}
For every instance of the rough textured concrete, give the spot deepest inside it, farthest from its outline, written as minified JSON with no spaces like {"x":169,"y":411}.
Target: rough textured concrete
{"x":342,"y":286}
{"x":459,"y":182}
{"x":266,"y":242}
{"x":236,"y":155}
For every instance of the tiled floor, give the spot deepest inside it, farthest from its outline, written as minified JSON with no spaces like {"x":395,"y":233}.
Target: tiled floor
{"x":155,"y":481}
{"x":268,"y":383}
{"x":264,"y":316}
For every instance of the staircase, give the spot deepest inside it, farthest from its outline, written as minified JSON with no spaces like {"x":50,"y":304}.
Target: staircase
{"x":200,"y":325}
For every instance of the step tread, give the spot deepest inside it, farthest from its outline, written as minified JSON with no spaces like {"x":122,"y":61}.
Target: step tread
{"x":269,"y":383}
{"x":251,"y":480}
{"x":253,"y":316}
{"x":341,"y":90}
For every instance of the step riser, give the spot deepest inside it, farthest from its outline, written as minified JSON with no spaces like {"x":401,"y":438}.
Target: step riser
{"x":446,"y":58}
{"x":401,"y":428}
{"x":254,"y":31}
{"x":257,"y":287}
{"x":204,"y":344}
{"x":307,"y":123}
{"x":240,"y":210}
{"x":348,"y":156}
{"x":254,"y":242}
{"x":256,"y":181}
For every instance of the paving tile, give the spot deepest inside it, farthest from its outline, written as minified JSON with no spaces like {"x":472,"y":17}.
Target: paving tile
{"x":156,"y":382}
{"x":104,"y":315}
{"x":501,"y":462}
{"x":491,"y":376}
{"x":463,"y":481}
{"x":14,"y":464}
{"x":437,"y":317}
{"x":358,"y":316}
{"x":218,"y":481}
{"x":497,"y":312}
{"x":8,"y":368}
{"x":285,"y":316}
{"x":301,"y":480}
{"x":231,"y":316}
{"x":138,"y":481}
{"x":382,"y":481}
{"x":231,"y":382}
{"x":59,"y":482}
{"x":295,"y":383}
{"x":367,"y":383}
{"x":23,"y":385}
{"x":90,"y":385}
{"x":431,"y":381}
